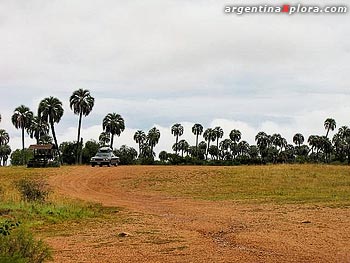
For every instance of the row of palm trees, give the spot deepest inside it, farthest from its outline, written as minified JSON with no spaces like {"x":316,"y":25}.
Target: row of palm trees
{"x":268,"y":147}
{"x":147,"y":142}
{"x":50,"y":112}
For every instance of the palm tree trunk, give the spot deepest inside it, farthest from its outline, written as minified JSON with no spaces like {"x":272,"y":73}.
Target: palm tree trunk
{"x":327,"y":132}
{"x":112,"y":137}
{"x":217,"y":146}
{"x":197,"y":145}
{"x":54,"y":138}
{"x":139,"y":149}
{"x":78,"y":139}
{"x":23,"y":160}
{"x":206,"y":156}
{"x":177,"y":138}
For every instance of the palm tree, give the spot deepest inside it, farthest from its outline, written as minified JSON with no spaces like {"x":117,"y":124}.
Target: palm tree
{"x":104,"y":138}
{"x":243,"y":148}
{"x":209,"y":135}
{"x":38,"y":128}
{"x":153,"y":137}
{"x":177,"y":130}
{"x":278,"y":141}
{"x":329,"y":124}
{"x":5,"y":151}
{"x":4,"y":137}
{"x":262,"y":141}
{"x":51,"y":111}
{"x":197,"y":130}
{"x":235,"y":136}
{"x":182,"y":146}
{"x":298,"y":139}
{"x":114,"y":124}
{"x":225,"y":145}
{"x":21,"y":119}
{"x":81,"y":103}
{"x":140,"y":138}
{"x":163,"y":156}
{"x":219,"y":132}
{"x":314,"y":142}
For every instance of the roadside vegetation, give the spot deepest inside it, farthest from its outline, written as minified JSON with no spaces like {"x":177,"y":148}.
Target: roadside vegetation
{"x":28,"y":206}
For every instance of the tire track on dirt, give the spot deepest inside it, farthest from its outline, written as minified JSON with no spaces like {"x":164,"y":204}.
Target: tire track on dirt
{"x":213,"y":231}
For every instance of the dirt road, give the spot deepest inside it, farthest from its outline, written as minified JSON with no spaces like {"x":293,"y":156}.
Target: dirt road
{"x":163,"y":228}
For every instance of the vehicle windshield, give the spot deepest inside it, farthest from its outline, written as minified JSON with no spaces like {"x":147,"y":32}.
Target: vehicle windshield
{"x":99,"y":154}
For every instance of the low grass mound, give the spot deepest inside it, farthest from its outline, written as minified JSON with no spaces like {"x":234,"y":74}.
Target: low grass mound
{"x":271,"y":183}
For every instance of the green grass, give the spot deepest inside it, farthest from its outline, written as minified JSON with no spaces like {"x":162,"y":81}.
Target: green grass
{"x":273,"y":183}
{"x":55,"y":210}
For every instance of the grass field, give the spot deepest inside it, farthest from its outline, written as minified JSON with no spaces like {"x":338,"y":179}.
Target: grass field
{"x":282,"y":183}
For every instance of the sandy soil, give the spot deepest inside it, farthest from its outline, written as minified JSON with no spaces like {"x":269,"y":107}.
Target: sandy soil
{"x":162,"y":228}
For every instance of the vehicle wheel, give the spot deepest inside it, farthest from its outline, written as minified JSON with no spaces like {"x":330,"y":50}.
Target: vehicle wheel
{"x":109,"y":165}
{"x":92,"y":165}
{"x":100,"y":165}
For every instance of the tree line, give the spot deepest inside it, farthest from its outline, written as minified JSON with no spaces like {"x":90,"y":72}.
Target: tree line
{"x":210,"y":144}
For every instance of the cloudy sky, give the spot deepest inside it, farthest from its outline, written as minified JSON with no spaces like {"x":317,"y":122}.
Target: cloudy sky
{"x":159,"y":62}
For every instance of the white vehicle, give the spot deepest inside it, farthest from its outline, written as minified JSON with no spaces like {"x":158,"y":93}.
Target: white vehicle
{"x":104,"y":156}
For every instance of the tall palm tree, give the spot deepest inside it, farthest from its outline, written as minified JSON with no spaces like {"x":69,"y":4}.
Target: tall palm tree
{"x":177,"y":130}
{"x":21,"y":119}
{"x":81,"y":102}
{"x":153,"y":137}
{"x":51,"y":111}
{"x":278,"y":141}
{"x":104,"y":138}
{"x":209,"y":135}
{"x":298,"y":139}
{"x":197,"y":130}
{"x":4,"y":137}
{"x":114,"y":124}
{"x":219,"y":132}
{"x":243,"y":148}
{"x":329,"y":124}
{"x":140,"y":138}
{"x":183,"y":146}
{"x":313,"y":141}
{"x":38,"y":128}
{"x":262,"y":141}
{"x":5,"y":151}
{"x":225,"y":145}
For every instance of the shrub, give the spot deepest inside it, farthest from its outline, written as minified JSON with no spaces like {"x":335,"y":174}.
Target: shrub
{"x":21,"y":246}
{"x":33,"y":190}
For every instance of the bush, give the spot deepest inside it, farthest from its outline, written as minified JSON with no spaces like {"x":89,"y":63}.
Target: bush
{"x":20,"y":246}
{"x":33,"y":190}
{"x":19,"y":157}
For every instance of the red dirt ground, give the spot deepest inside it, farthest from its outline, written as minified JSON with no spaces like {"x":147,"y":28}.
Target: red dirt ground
{"x":170,"y":229}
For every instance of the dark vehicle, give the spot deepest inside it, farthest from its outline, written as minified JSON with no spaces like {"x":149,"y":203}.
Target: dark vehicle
{"x":104,"y":156}
{"x":44,"y":155}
